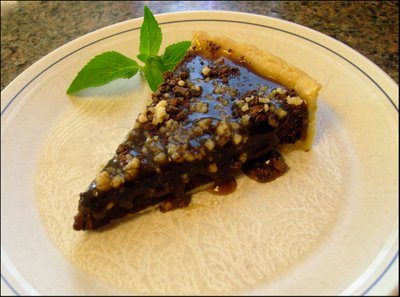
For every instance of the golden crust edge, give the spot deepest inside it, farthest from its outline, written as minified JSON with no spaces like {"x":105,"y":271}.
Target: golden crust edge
{"x":271,"y":67}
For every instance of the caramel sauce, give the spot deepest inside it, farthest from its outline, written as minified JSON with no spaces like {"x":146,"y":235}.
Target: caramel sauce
{"x":224,"y":188}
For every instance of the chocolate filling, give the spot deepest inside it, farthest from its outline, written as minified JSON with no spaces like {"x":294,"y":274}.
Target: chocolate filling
{"x":208,"y":120}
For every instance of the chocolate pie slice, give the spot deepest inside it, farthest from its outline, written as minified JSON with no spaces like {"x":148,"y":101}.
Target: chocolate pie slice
{"x":225,"y":108}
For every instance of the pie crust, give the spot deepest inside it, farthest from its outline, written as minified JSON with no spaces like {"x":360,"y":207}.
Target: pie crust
{"x":269,"y":66}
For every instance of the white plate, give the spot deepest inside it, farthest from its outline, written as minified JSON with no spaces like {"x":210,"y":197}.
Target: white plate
{"x":328,"y":226}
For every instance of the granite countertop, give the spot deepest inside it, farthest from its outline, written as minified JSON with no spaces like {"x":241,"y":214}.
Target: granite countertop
{"x":32,"y":29}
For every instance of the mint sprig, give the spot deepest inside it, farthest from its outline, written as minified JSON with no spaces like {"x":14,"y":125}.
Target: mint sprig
{"x":153,"y":70}
{"x":103,"y":69}
{"x":112,"y":65}
{"x":150,"y":35}
{"x":174,"y":53}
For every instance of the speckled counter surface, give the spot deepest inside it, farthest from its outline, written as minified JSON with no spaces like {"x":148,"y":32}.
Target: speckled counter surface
{"x":30,"y":30}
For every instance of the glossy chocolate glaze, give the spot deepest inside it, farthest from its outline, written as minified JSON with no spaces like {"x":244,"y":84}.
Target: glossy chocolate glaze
{"x":188,"y":162}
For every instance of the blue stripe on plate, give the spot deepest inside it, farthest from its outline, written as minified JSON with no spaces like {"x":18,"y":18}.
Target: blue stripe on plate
{"x":381,"y":275}
{"x":9,"y":285}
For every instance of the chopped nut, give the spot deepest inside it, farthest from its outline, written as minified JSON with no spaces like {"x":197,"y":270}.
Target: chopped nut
{"x":133,"y":164}
{"x":232,"y":92}
{"x":204,"y":123}
{"x":235,"y":125}
{"x":245,"y":119}
{"x":263,"y":88}
{"x":117,"y":181}
{"x":280,"y":91}
{"x":212,"y":168}
{"x":272,"y":94}
{"x":103,"y":181}
{"x":209,"y":144}
{"x":149,"y":140}
{"x":264,"y":100}
{"x":281,"y":113}
{"x":224,"y":102}
{"x":196,"y":88}
{"x":222,"y":128}
{"x":266,"y":107}
{"x":181,"y":83}
{"x":159,"y":112}
{"x":170,"y":124}
{"x":171,"y":148}
{"x":209,"y":97}
{"x":201,"y":107}
{"x":294,"y":100}
{"x":205,"y":71}
{"x":249,"y":99}
{"x":237,"y":138}
{"x":245,"y":107}
{"x":218,"y":90}
{"x":197,"y":130}
{"x":188,"y":157}
{"x":160,"y":158}
{"x":239,"y":103}
{"x":143,"y":117}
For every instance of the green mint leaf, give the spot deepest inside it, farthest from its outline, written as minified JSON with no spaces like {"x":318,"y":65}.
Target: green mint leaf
{"x":153,"y":71}
{"x":142,"y":57}
{"x":103,"y":69}
{"x":110,"y":66}
{"x":174,"y":53}
{"x":150,"y":34}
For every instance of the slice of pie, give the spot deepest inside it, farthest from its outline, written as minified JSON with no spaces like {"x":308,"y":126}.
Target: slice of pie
{"x":226,"y":107}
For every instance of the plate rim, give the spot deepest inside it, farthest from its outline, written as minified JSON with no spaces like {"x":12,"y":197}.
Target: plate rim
{"x":21,"y":82}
